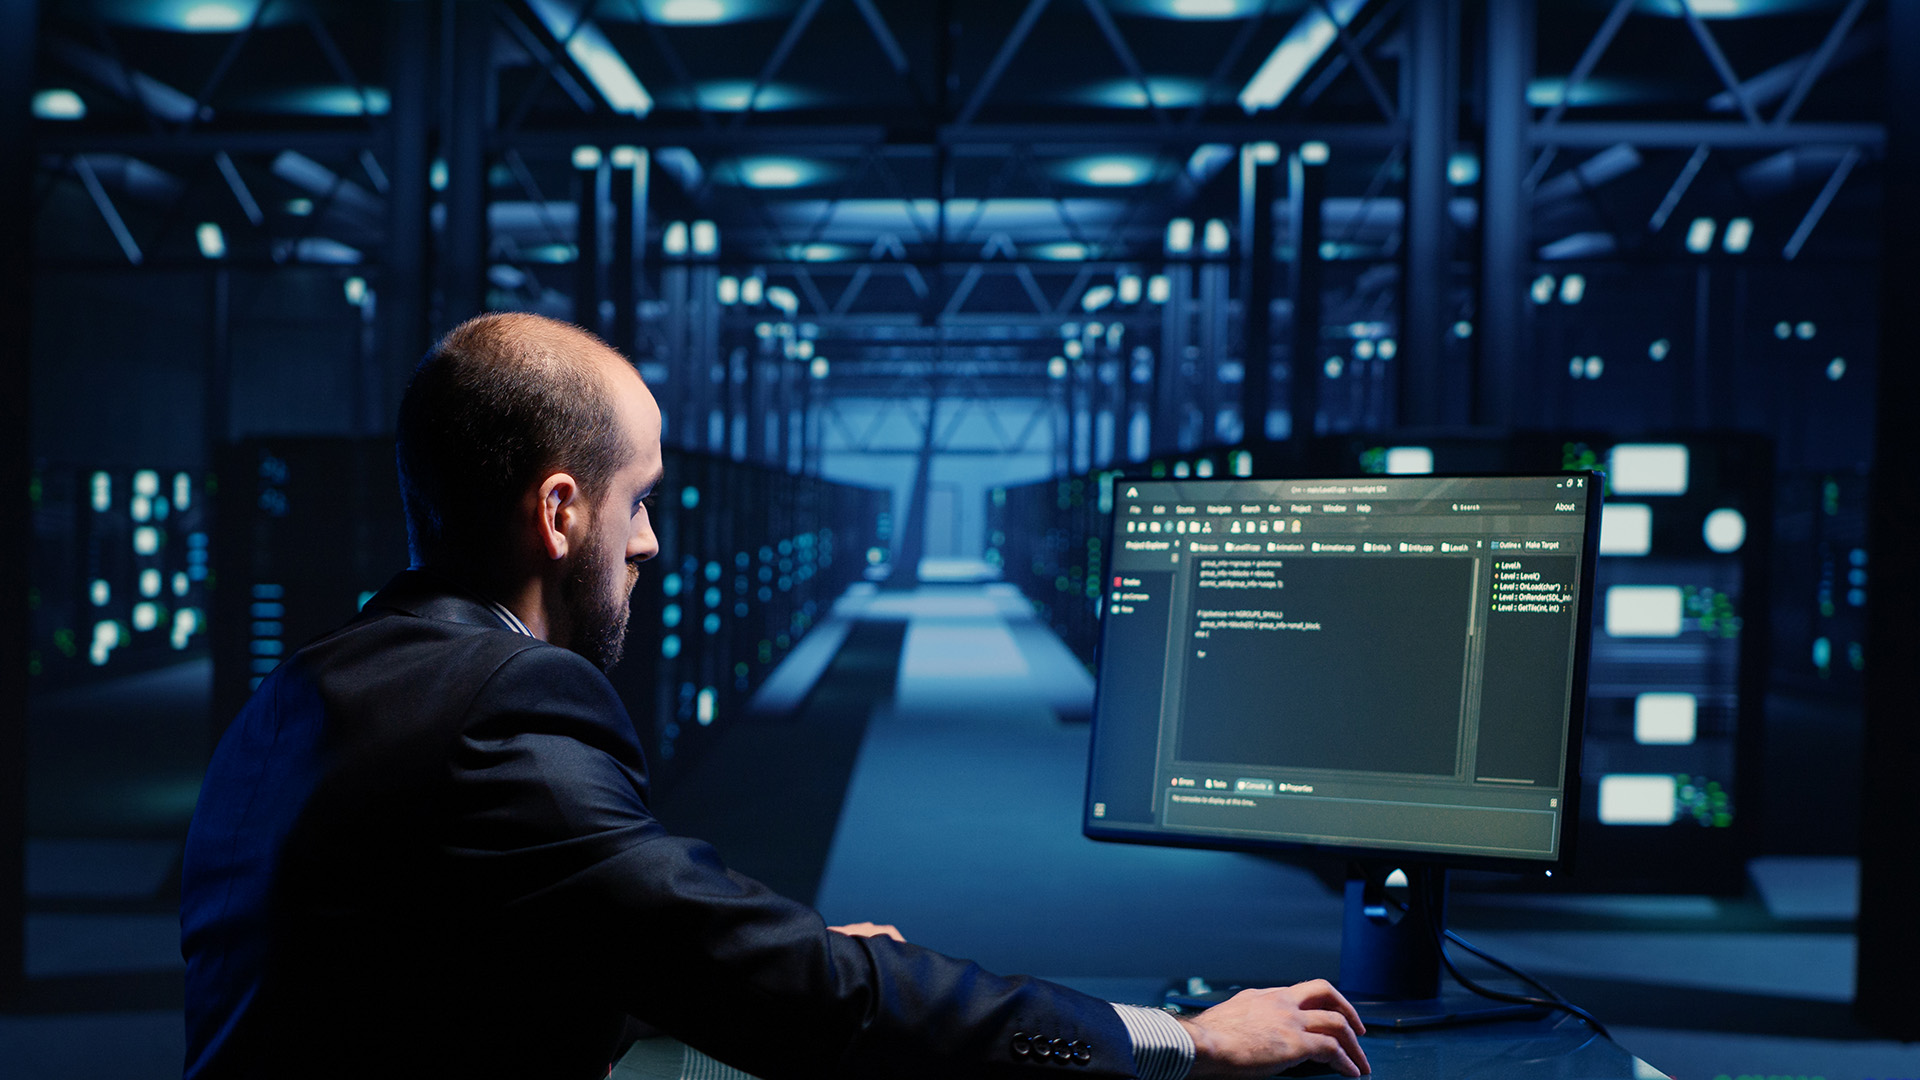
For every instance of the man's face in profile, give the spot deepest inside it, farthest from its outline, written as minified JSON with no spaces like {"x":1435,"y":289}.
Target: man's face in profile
{"x":598,"y":588}
{"x":598,"y":593}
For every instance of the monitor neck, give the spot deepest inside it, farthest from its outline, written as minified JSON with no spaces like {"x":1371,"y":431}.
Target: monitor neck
{"x":1390,"y":933}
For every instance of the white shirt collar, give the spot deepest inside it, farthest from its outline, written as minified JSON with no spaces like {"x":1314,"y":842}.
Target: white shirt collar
{"x":507,"y":616}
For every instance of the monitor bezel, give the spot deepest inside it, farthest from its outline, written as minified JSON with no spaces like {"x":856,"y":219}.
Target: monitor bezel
{"x":1099,"y":829}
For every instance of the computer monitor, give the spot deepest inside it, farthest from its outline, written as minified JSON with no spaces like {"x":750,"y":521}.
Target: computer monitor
{"x":1391,"y":668}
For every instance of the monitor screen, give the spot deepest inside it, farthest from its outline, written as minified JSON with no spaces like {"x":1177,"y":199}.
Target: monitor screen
{"x":1391,"y":665}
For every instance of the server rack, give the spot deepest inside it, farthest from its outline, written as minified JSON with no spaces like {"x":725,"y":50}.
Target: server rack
{"x":751,"y":558}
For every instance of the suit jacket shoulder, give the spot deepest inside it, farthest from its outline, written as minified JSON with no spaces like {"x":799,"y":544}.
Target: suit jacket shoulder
{"x":428,"y":837}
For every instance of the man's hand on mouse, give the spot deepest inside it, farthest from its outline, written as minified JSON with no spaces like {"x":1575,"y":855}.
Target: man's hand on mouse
{"x":1256,"y":1033}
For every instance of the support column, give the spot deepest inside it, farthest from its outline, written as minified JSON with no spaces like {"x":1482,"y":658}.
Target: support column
{"x":1505,"y":225}
{"x":18,"y":23}
{"x":1886,"y":995}
{"x":467,"y":113}
{"x":685,"y":426}
{"x":910,"y":528}
{"x":1170,"y":390}
{"x":592,"y":182}
{"x":403,"y":285}
{"x":1212,"y":332}
{"x":1429,"y":103}
{"x":1132,"y":395}
{"x":1256,"y":389}
{"x":1308,"y":183}
{"x":625,"y":192}
{"x":706,"y":361}
{"x":217,"y":401}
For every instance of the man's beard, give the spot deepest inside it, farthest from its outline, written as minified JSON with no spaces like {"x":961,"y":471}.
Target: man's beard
{"x":597,"y":621}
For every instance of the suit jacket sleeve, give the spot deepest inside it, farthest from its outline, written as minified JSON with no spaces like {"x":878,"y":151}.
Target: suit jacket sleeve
{"x":548,"y":830}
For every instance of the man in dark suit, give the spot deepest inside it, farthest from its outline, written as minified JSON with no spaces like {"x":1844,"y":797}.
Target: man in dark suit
{"x":425,"y":844}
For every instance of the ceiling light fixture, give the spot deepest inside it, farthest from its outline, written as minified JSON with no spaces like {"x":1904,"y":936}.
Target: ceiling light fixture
{"x":1112,"y":172}
{"x":213,"y":16}
{"x":1296,"y":54}
{"x":692,"y":12}
{"x":1205,"y":9}
{"x":59,"y":105}
{"x":775,"y":174}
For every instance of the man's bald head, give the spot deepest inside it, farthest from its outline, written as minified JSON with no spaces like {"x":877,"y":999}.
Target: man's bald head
{"x":501,"y":401}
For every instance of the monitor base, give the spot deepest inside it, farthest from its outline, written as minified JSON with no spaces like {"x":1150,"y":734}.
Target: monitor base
{"x":1453,"y":1008}
{"x":1390,"y":960}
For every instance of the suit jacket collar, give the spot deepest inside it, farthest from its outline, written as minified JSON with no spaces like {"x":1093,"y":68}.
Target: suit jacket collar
{"x":431,"y":595}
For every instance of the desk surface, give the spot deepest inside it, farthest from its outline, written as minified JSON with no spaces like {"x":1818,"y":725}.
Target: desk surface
{"x":1551,"y":1047}
{"x":1556,"y":1046}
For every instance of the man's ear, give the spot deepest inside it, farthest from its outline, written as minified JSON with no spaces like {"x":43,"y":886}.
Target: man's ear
{"x":562,"y":514}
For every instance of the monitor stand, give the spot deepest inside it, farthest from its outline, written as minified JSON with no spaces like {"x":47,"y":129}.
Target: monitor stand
{"x":1390,"y":955}
{"x":1390,"y":952}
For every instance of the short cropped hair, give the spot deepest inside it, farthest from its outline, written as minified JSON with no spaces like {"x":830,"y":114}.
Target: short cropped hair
{"x":499,"y":403}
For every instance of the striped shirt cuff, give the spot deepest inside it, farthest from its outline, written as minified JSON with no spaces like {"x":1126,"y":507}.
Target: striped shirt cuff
{"x":1162,"y":1049}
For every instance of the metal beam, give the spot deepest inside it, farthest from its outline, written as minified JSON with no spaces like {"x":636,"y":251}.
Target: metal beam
{"x":811,"y":290}
{"x":1678,"y":190}
{"x":225,"y":63}
{"x":1124,"y":53}
{"x":335,"y":58}
{"x":849,"y":140}
{"x":547,"y":45}
{"x":1817,"y":64}
{"x":852,"y":291}
{"x":1228,"y":63}
{"x":998,"y":65}
{"x":778,"y":58}
{"x":1719,"y":61}
{"x":983,"y":139}
{"x":108,"y":212}
{"x":1820,"y":204}
{"x":1350,"y":49}
{"x":522,"y":25}
{"x":1035,"y":295}
{"x":1589,"y":57}
{"x":960,"y":293}
{"x":1601,"y":134}
{"x":241,"y":193}
{"x":883,"y":36}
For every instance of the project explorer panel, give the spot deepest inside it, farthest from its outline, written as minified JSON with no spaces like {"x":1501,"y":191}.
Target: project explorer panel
{"x":1380,"y":662}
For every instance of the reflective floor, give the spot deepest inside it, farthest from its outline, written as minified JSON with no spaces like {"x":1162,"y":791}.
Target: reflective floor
{"x":935,"y":786}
